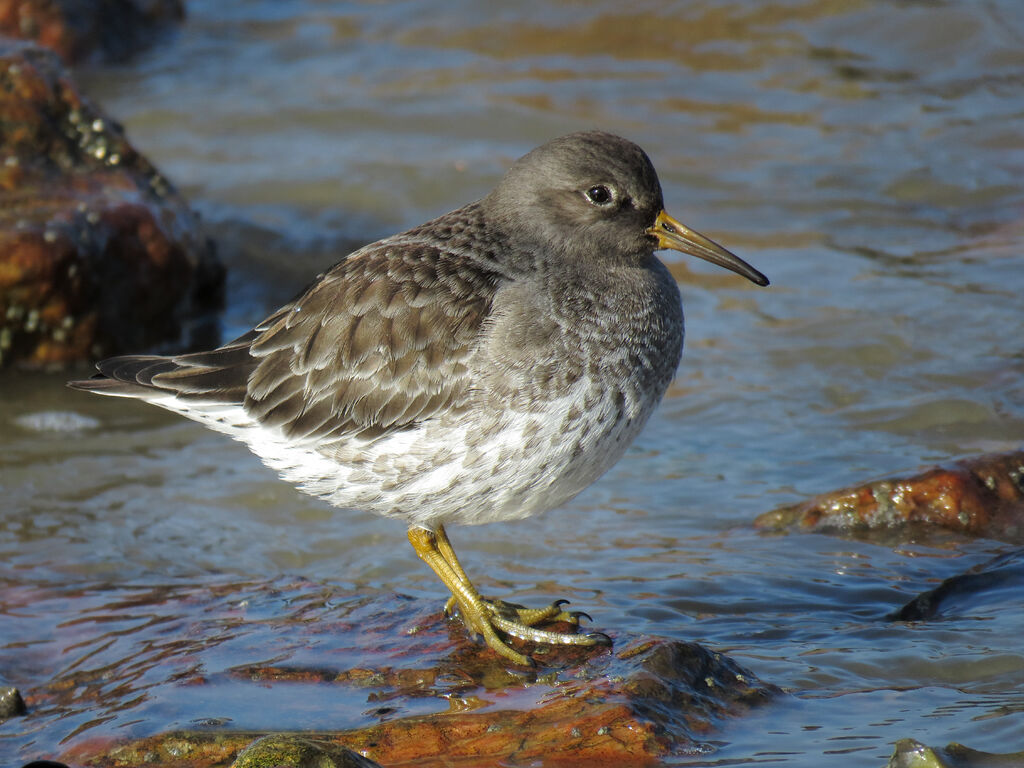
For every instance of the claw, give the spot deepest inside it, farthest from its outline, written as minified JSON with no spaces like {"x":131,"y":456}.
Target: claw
{"x":577,"y":615}
{"x":600,"y":638}
{"x":560,"y":602}
{"x":449,"y":607}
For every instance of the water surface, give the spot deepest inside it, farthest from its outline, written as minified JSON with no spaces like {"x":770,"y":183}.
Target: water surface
{"x":867,"y":156}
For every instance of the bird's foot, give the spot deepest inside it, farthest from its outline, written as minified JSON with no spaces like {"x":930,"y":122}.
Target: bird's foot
{"x":489,"y":617}
{"x":518,"y":621}
{"x":529,"y":617}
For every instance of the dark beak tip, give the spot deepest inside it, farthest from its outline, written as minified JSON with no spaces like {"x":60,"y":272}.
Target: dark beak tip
{"x":669,"y":233}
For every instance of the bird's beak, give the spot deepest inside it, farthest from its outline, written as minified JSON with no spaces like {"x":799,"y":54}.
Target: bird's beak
{"x":671,"y":234}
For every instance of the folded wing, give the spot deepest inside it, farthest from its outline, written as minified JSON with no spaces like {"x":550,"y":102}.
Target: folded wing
{"x":377,"y":343}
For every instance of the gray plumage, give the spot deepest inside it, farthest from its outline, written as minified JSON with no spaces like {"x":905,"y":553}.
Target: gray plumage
{"x":486,"y":365}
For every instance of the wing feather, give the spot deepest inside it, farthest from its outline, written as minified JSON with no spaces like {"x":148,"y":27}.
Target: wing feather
{"x":379,"y":342}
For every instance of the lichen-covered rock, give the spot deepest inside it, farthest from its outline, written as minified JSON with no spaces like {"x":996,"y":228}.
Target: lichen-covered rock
{"x":982,"y":496}
{"x":283,"y":750}
{"x":914,"y":754}
{"x":78,"y":29}
{"x":98,"y":252}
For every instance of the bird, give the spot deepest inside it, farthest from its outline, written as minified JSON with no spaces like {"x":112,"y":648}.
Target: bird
{"x":485,"y":366}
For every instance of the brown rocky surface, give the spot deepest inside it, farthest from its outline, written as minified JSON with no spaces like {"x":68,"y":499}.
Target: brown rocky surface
{"x":99,"y":254}
{"x":79,"y":29}
{"x":980,"y":496}
{"x":412,"y":689}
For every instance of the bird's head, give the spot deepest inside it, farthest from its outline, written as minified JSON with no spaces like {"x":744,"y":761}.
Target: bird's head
{"x":596,"y":195}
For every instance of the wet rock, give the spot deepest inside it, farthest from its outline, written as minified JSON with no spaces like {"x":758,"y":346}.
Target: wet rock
{"x":914,"y":754}
{"x":79,"y":29}
{"x":98,"y":252}
{"x":982,"y":496}
{"x":651,"y":699}
{"x":11,"y":704}
{"x":999,"y":580}
{"x":282,"y":750}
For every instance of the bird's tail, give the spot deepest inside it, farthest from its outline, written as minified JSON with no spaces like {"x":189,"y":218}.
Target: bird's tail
{"x":219,"y":376}
{"x":128,"y":376}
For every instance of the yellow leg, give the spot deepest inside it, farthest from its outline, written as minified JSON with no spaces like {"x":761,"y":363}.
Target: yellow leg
{"x":444,"y":546}
{"x":434,"y":548}
{"x":527,"y":616}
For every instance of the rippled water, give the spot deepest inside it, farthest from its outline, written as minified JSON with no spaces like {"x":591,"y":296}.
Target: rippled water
{"x":868,"y":156}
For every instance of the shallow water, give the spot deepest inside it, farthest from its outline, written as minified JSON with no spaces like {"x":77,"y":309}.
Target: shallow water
{"x":868,"y":156}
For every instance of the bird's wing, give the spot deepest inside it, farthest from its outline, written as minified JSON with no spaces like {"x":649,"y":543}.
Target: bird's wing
{"x":379,"y":342}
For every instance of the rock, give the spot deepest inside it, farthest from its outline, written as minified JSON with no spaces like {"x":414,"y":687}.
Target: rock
{"x":914,"y":754}
{"x":11,"y":704}
{"x":79,"y":29}
{"x":998,"y":581}
{"x":652,"y":698}
{"x":982,"y":496}
{"x":282,"y":750}
{"x":98,"y":253}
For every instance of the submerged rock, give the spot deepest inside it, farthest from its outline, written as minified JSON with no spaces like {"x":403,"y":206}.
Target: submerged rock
{"x":1000,"y":579}
{"x":982,"y":496}
{"x":98,"y":252}
{"x":914,"y":754}
{"x":78,"y":29}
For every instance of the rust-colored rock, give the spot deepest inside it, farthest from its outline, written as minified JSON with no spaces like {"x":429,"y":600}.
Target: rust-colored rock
{"x":98,"y":253}
{"x":982,"y":496}
{"x":632,"y":707}
{"x":78,"y":29}
{"x":385,"y":675}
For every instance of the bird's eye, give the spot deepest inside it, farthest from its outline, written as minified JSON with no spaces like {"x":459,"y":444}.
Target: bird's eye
{"x":599,"y":195}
